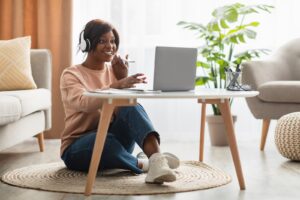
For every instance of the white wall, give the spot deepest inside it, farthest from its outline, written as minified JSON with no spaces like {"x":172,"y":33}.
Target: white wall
{"x":144,"y":24}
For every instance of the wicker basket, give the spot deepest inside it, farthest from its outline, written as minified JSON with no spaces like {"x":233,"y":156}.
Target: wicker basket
{"x":287,"y":136}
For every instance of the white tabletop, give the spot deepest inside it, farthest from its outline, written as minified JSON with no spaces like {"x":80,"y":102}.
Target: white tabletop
{"x":202,"y":93}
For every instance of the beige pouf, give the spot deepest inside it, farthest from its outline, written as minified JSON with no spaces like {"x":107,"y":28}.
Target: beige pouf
{"x":287,"y":136}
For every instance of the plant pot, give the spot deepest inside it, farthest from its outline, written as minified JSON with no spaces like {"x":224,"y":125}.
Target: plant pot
{"x":217,"y":130}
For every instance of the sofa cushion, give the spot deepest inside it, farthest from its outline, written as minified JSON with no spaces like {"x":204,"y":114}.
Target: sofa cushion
{"x":31,"y":100}
{"x":10,"y":109}
{"x":280,"y":91}
{"x":15,"y":68}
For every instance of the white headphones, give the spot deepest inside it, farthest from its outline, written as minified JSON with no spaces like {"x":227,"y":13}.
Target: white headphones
{"x":85,"y":44}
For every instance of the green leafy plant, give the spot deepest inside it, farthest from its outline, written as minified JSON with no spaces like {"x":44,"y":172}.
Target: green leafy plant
{"x":226,"y":30}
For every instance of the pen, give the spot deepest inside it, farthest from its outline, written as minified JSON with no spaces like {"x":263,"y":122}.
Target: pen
{"x":129,"y":61}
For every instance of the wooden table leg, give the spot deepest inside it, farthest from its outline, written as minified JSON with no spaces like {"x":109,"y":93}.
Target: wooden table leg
{"x":202,"y":129}
{"x":226,"y":113}
{"x":98,"y":147}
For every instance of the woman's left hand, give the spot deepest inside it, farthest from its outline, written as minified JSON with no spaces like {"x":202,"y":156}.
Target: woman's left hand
{"x":120,"y":66}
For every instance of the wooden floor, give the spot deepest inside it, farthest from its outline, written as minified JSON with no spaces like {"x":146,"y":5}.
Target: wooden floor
{"x":267,"y":174}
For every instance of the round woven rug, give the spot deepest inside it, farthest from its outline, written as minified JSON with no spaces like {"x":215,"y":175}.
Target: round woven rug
{"x":191,"y":175}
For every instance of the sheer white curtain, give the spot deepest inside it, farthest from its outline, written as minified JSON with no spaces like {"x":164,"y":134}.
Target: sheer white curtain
{"x":144,"y":24}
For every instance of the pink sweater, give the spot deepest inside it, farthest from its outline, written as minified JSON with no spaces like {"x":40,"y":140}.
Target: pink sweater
{"x":81,"y":112}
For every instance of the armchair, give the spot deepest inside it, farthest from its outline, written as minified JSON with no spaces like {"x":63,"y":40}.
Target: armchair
{"x":278,"y":83}
{"x":27,"y":113}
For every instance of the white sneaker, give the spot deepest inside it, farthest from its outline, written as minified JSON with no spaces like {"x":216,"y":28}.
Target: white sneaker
{"x":173,"y":161}
{"x":159,"y":170}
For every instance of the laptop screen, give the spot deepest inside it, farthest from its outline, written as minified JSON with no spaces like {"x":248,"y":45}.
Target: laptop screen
{"x":175,"y":68}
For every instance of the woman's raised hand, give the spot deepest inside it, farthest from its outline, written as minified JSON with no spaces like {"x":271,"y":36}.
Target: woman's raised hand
{"x":130,"y":81}
{"x":120,"y":66}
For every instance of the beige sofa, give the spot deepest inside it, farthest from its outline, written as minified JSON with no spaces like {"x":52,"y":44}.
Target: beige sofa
{"x":27,"y":113}
{"x":278,"y":82}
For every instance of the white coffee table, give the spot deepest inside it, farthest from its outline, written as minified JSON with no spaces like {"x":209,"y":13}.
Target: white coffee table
{"x":220,"y":97}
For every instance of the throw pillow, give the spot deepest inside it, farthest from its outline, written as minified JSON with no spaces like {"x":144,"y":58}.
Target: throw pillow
{"x":15,"y":68}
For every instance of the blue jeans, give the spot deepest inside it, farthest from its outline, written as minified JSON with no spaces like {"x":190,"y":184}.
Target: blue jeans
{"x":130,"y":125}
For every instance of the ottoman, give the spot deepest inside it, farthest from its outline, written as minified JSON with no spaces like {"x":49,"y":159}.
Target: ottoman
{"x":287,"y":136}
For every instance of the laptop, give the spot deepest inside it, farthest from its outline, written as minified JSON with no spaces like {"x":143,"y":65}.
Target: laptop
{"x":174,"y":69}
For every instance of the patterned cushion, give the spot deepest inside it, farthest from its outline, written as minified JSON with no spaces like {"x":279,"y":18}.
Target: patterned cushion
{"x":15,"y":68}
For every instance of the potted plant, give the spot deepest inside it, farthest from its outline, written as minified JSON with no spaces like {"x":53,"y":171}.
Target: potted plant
{"x":220,"y":37}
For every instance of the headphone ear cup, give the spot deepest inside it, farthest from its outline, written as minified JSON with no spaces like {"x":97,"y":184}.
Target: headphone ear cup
{"x":88,"y":45}
{"x":83,"y":43}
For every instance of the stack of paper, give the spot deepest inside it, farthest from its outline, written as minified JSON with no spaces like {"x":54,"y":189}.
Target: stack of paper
{"x":124,"y":91}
